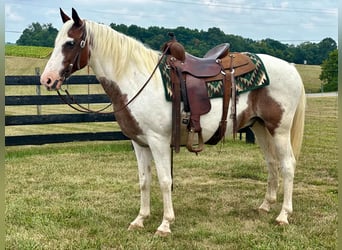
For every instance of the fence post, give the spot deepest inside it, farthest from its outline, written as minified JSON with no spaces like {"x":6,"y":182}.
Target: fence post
{"x":39,"y":107}
{"x":250,"y":136}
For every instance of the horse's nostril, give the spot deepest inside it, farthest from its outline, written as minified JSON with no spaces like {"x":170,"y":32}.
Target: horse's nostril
{"x":49,"y":81}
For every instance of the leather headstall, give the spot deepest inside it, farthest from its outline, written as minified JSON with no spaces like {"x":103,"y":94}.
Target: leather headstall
{"x":83,"y":44}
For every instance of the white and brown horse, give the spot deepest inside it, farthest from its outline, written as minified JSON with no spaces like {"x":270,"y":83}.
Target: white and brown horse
{"x":122,"y":65}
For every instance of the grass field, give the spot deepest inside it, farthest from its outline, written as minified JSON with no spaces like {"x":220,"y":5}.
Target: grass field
{"x":36,"y":57}
{"x":27,"y":51}
{"x":310,"y":76}
{"x":84,"y":195}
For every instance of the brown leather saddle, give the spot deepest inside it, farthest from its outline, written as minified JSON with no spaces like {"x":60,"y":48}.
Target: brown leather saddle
{"x":189,"y":75}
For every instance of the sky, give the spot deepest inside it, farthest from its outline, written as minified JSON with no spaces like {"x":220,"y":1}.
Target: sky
{"x":287,"y":21}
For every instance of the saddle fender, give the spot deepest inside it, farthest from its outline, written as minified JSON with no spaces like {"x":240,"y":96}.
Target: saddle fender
{"x":195,"y":72}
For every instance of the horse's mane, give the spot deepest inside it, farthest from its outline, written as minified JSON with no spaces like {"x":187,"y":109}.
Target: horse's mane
{"x":121,"y":49}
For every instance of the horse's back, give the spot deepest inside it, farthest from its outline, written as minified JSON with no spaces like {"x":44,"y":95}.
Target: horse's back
{"x":281,"y":71}
{"x":286,"y":84}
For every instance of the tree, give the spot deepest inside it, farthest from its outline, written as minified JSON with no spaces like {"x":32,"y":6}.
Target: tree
{"x":329,"y":72}
{"x":38,"y":35}
{"x":326,"y":46}
{"x":199,"y":42}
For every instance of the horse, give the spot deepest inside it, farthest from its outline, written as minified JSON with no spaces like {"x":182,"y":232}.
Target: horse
{"x":122,"y":64}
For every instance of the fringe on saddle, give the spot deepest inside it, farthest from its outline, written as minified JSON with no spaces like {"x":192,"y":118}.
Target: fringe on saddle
{"x":189,"y":75}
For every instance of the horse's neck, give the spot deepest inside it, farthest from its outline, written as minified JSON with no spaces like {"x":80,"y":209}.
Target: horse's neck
{"x":128,"y":83}
{"x":122,"y":64}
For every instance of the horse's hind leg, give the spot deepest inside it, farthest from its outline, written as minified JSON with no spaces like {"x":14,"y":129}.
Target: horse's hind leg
{"x":144,"y":158}
{"x":266,"y":143}
{"x":288,"y":163}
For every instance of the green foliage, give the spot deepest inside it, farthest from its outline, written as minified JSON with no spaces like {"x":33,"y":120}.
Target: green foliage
{"x":314,"y":53}
{"x":199,"y":42}
{"x":329,"y":72}
{"x":38,"y":35}
{"x":27,"y":51}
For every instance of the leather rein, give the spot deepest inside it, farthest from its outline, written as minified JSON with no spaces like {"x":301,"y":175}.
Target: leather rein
{"x":72,"y":102}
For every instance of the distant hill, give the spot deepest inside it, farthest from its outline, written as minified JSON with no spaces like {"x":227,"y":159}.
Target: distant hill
{"x":22,"y":60}
{"x":27,"y":51}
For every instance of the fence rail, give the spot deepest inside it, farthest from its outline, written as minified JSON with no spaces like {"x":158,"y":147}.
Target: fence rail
{"x":39,"y":139}
{"x":39,"y":119}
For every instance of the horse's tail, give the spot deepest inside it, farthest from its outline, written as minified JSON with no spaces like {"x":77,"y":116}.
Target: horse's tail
{"x":297,"y":129}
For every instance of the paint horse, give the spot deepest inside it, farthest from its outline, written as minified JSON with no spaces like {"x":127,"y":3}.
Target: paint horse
{"x":122,"y":65}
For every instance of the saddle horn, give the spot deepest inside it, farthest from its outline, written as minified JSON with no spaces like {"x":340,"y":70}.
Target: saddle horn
{"x":174,"y":48}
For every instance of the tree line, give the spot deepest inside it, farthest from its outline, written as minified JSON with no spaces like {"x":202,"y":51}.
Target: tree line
{"x":198,"y":42}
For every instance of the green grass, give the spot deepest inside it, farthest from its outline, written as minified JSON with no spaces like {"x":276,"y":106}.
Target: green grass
{"x":84,"y":195}
{"x":310,"y":76}
{"x":27,"y":51}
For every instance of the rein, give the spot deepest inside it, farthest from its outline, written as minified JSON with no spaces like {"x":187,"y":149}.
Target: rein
{"x":83,"y":109}
{"x":79,"y":107}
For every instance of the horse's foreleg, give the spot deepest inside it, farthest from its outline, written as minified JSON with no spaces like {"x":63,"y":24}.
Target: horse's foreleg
{"x":162,"y":157}
{"x":266,"y":143}
{"x":144,"y":158}
{"x":288,"y":164}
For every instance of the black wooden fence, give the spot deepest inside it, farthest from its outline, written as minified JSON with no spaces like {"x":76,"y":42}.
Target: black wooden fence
{"x":39,"y":119}
{"x":20,"y":100}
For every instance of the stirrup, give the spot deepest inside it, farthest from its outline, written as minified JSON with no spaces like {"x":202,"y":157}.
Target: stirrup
{"x":192,"y":147}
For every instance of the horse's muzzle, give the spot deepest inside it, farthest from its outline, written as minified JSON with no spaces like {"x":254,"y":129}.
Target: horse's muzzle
{"x":56,"y":85}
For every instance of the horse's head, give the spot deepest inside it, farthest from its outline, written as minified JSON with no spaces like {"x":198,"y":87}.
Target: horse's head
{"x":70,"y":54}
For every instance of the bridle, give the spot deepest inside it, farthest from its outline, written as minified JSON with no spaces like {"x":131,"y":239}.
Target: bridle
{"x":77,"y":59}
{"x":72,"y":102}
{"x":82,"y":45}
{"x":68,"y":98}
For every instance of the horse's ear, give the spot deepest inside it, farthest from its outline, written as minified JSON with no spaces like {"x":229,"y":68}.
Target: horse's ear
{"x":77,"y":20}
{"x":64,"y":16}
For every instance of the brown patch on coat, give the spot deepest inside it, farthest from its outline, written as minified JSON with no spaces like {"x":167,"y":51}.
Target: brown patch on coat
{"x":128,"y":124}
{"x":263,"y":108}
{"x":75,"y":55}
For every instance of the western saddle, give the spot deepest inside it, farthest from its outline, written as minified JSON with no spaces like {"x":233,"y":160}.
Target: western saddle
{"x":189,"y":75}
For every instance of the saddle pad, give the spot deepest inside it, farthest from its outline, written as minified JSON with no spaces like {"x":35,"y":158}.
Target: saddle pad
{"x":255,"y":79}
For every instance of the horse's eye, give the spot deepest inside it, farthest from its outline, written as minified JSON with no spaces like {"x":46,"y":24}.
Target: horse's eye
{"x":70,"y":44}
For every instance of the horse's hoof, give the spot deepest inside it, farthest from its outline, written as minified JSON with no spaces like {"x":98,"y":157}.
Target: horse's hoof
{"x":133,"y":227}
{"x":282,"y":219}
{"x":162,"y":234}
{"x":263,"y":211}
{"x":264,"y":207}
{"x":282,"y":223}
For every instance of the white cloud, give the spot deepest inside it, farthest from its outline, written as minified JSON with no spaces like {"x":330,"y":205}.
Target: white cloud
{"x":284,"y":5}
{"x":251,"y":19}
{"x":12,"y":15}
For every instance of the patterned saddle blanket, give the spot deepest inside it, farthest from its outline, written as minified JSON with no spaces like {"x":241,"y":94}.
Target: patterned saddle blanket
{"x":255,"y":79}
